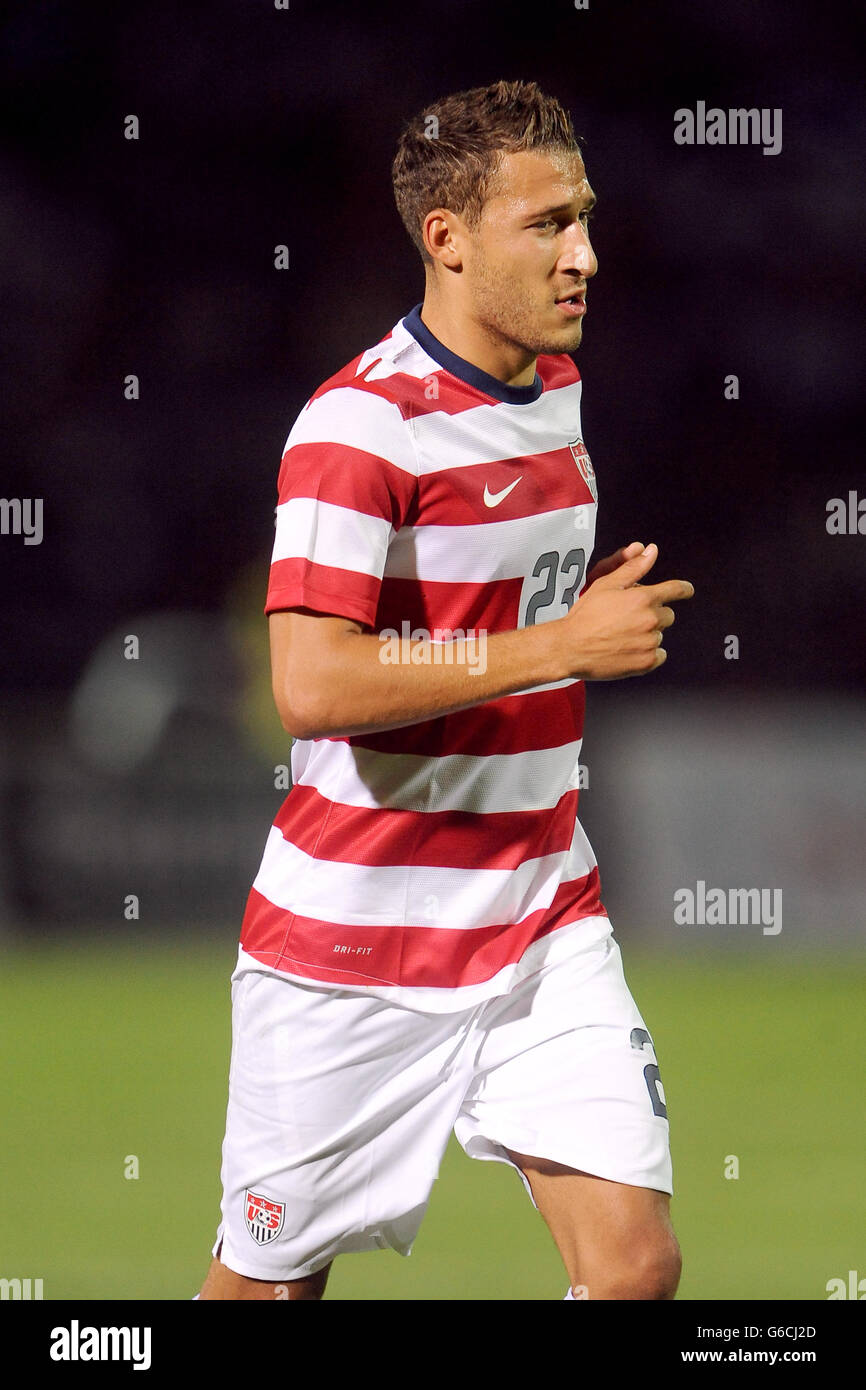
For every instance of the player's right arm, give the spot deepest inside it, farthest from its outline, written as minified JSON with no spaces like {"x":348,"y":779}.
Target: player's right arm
{"x":330,"y":679}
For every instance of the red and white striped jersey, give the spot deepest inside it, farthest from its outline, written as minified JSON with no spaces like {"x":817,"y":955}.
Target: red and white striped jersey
{"x":434,"y":865}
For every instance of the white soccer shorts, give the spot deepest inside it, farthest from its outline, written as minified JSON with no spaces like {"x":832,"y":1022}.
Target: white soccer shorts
{"x":341,"y":1105}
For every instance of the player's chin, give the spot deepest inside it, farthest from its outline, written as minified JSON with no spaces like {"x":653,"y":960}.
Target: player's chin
{"x":566,"y":340}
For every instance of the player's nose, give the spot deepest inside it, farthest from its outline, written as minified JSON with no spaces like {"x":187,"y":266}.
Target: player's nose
{"x":579,"y":254}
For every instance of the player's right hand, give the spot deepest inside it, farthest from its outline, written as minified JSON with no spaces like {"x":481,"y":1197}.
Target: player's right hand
{"x":616,"y":627}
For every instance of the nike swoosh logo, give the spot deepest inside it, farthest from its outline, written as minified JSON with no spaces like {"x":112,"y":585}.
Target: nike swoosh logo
{"x":492,"y":499}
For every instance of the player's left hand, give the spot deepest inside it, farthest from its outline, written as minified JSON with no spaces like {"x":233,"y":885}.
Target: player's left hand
{"x":613,"y":562}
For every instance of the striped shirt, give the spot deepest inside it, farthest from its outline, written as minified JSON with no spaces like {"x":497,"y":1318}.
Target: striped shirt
{"x":434,"y":865}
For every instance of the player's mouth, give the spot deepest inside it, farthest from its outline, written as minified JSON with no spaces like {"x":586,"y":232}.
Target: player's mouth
{"x":574,"y":306}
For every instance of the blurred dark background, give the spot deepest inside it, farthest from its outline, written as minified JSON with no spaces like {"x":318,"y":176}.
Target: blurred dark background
{"x":261,"y":126}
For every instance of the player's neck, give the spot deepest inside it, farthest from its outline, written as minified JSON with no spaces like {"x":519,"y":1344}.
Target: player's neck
{"x":473,"y":342}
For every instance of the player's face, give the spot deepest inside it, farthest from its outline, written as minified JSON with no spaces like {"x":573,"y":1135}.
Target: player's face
{"x":531,"y":250}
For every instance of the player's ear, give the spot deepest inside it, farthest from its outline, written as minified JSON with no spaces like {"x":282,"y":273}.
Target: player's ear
{"x":442,"y":237}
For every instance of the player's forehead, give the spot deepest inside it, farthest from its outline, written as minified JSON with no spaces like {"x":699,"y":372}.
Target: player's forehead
{"x":532,"y":180}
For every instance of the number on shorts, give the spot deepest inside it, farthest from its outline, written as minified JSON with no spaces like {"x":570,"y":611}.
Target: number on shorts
{"x":641,"y":1040}
{"x":652,"y":1077}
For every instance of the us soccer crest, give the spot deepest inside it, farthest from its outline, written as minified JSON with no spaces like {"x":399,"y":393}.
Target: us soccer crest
{"x":264,"y":1218}
{"x":581,"y":457}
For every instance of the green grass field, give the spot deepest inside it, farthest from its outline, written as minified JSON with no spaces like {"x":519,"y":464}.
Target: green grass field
{"x":113,"y":1052}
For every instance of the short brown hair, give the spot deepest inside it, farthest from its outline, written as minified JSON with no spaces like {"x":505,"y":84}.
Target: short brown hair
{"x":447,"y":155}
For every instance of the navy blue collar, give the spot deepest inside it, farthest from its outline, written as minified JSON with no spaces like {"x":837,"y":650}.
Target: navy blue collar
{"x":467,"y":371}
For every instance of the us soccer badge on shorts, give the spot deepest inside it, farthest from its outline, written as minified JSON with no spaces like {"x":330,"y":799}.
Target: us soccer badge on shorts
{"x":580,"y":454}
{"x":264,"y":1218}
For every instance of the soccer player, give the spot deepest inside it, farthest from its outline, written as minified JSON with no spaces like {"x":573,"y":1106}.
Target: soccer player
{"x":425,"y":948}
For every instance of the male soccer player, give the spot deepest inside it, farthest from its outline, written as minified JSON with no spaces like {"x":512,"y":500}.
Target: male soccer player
{"x":425,"y":947}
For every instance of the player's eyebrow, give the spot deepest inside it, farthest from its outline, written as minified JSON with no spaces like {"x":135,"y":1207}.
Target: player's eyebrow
{"x":564,"y":207}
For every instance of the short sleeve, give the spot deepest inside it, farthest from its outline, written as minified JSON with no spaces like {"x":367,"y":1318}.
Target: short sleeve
{"x":347,"y":481}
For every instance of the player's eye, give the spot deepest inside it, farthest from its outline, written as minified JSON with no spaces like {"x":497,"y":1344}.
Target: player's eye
{"x":552,"y":222}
